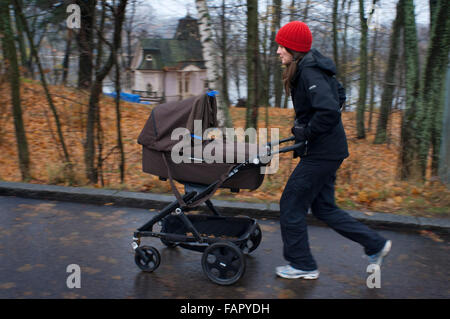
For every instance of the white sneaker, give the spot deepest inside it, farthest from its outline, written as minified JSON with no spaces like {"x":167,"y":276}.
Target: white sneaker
{"x":290,"y":272}
{"x":378,"y":257}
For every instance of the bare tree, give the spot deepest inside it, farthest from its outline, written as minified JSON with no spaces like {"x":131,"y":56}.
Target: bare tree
{"x":430,"y":110}
{"x":408,"y":148}
{"x":389,"y":83}
{"x":10,"y":54}
{"x":252,"y":64}
{"x":118,"y":13}
{"x":85,"y":39}
{"x":68,"y":164}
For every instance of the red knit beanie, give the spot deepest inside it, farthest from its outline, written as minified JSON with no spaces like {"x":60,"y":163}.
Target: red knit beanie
{"x":295,"y":36}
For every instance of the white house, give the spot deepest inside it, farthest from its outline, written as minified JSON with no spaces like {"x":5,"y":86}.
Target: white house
{"x":165,"y":70}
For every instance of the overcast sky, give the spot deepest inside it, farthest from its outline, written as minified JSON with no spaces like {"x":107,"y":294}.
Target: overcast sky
{"x":385,"y":9}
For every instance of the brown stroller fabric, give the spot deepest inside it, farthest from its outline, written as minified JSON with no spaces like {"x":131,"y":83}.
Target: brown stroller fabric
{"x":166,"y":117}
{"x":157,"y":146}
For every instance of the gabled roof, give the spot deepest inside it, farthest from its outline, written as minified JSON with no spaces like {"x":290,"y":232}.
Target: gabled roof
{"x":184,"y":49}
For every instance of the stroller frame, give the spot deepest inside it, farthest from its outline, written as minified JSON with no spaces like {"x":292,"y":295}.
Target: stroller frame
{"x":223,"y":260}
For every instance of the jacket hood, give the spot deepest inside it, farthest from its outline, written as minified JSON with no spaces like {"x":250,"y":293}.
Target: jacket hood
{"x":315,"y":59}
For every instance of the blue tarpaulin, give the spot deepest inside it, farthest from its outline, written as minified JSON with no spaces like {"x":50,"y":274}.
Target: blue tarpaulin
{"x":127,"y":97}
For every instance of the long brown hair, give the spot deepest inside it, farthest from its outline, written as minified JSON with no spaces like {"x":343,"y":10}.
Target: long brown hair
{"x":291,"y":68}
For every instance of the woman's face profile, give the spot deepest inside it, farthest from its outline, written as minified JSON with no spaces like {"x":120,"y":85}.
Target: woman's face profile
{"x":284,"y":55}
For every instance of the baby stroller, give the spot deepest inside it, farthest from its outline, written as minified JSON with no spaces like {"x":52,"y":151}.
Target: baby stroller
{"x":222,"y":240}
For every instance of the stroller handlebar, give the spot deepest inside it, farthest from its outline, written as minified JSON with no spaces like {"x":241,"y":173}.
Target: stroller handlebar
{"x":269,"y":145}
{"x":273,"y":143}
{"x":289,"y":148}
{"x":285,"y":149}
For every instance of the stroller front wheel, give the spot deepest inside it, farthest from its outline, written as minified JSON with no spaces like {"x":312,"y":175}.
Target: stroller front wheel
{"x":223,"y":263}
{"x":147,"y":258}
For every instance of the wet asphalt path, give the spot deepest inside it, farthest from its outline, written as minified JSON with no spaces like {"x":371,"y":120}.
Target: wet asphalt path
{"x":39,"y":239}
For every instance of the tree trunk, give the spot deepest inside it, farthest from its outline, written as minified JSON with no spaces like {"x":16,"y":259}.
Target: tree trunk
{"x":335,"y":37}
{"x":264,"y":67}
{"x":224,"y":66}
{"x":85,"y":40}
{"x":66,"y":61}
{"x":68,"y":164}
{"x":10,"y":54}
{"x":389,"y":78}
{"x":204,"y":24}
{"x":362,"y":73}
{"x":98,"y":131}
{"x":22,"y":46}
{"x":433,"y":8}
{"x":275,"y":65}
{"x":443,"y":164}
{"x":432,"y":84}
{"x":129,"y":25}
{"x":252,"y":64}
{"x":292,"y":11}
{"x":408,"y":167}
{"x":96,"y":90}
{"x":119,"y":123}
{"x":306,"y":11}
{"x":343,"y":75}
{"x":373,"y":73}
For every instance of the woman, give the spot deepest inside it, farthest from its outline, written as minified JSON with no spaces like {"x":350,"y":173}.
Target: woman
{"x":317,"y":96}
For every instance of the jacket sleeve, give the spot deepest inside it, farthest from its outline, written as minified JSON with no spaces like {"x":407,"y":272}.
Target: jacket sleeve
{"x":325,"y":104}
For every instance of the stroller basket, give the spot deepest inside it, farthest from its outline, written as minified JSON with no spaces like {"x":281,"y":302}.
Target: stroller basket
{"x":211,"y":227}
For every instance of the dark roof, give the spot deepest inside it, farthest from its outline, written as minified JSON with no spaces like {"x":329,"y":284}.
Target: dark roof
{"x":187,"y":29}
{"x":184,"y":49}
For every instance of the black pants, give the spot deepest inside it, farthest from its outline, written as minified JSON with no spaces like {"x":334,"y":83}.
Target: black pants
{"x":312,"y":185}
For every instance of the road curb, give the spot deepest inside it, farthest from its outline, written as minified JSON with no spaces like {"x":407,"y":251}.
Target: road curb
{"x":158,"y":201}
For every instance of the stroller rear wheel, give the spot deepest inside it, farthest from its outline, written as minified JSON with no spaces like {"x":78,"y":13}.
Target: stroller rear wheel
{"x":147,"y":258}
{"x":223,"y":263}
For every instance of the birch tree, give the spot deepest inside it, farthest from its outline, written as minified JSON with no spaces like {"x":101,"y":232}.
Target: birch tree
{"x":212,"y":75}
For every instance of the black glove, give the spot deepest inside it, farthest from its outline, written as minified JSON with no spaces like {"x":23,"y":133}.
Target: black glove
{"x":299,"y":132}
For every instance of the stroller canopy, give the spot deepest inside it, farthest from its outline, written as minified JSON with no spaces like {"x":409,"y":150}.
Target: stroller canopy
{"x":164,"y":118}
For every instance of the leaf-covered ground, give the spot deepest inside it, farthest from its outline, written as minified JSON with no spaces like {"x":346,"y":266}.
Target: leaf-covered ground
{"x":367,"y":180}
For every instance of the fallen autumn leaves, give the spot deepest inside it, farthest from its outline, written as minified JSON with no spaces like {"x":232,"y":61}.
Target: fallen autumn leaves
{"x":366,"y":181}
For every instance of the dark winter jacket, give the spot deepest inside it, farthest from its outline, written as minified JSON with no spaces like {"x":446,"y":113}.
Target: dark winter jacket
{"x":317,"y":103}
